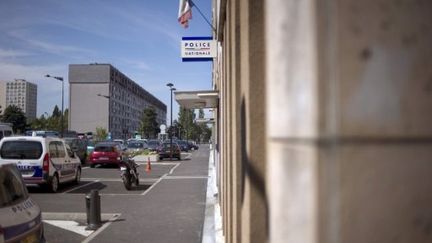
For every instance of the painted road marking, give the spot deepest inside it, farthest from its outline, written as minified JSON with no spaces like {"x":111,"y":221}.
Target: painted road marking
{"x":150,"y":180}
{"x":75,"y":188}
{"x":92,"y":236}
{"x":185,"y":177}
{"x":70,"y":226}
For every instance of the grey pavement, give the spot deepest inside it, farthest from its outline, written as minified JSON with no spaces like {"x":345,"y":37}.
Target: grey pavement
{"x":171,"y":209}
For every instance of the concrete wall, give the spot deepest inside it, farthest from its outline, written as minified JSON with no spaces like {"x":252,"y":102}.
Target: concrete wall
{"x":239,"y":77}
{"x":88,"y":111}
{"x":348,"y":125}
{"x":324,"y":120}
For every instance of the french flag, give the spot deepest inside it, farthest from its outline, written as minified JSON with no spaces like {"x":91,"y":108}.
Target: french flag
{"x":185,"y":12}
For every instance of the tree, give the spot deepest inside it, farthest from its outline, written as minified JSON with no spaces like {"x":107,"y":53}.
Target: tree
{"x":186,"y":122}
{"x":101,"y":134}
{"x":65,"y":119}
{"x":14,"y":115}
{"x":149,"y":126}
{"x":39,"y":123}
{"x":56,"y":112}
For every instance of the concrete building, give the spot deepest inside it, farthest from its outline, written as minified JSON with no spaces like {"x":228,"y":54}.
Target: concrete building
{"x":2,"y":96}
{"x":22,"y":94}
{"x":323,"y":126}
{"x":102,"y":96}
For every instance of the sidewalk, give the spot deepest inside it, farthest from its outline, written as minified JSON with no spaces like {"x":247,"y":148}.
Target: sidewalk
{"x":171,"y":211}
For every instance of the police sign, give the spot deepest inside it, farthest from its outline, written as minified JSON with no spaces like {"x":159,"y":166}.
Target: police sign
{"x":198,"y":49}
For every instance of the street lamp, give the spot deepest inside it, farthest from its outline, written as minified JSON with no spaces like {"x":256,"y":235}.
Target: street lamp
{"x":109,"y":106}
{"x":170,"y":85}
{"x":62,"y":106}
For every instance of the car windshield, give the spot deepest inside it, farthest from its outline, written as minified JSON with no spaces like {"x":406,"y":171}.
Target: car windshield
{"x":104,"y":148}
{"x":135,"y":145}
{"x":153,"y":144}
{"x":21,"y":150}
{"x":12,"y":190}
{"x":168,"y":145}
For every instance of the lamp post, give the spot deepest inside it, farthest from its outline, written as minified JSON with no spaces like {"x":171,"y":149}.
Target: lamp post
{"x":170,"y":85}
{"x":109,"y":106}
{"x":62,"y":105}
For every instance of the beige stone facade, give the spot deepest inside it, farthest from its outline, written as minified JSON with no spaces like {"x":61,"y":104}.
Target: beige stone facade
{"x":323,"y":129}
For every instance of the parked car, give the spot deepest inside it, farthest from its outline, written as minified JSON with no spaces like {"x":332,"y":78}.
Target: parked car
{"x":184,"y":146}
{"x":90,"y":146}
{"x":43,"y":133}
{"x":153,"y":145}
{"x":122,"y":143}
{"x":21,"y":219}
{"x":78,"y":146}
{"x":42,"y":161}
{"x":165,"y":151}
{"x":136,"y":147}
{"x":5,"y":130}
{"x":106,"y":153}
{"x":193,"y":145}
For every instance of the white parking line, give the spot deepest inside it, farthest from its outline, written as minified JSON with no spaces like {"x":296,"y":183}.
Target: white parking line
{"x":152,"y":186}
{"x":151,"y":180}
{"x":92,"y":236}
{"x":75,"y":188}
{"x":185,"y":177}
{"x":172,"y":170}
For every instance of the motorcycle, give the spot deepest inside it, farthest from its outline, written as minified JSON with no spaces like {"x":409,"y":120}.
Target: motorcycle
{"x":129,"y":173}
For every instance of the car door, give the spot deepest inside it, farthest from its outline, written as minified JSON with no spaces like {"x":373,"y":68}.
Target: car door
{"x":68,"y":169}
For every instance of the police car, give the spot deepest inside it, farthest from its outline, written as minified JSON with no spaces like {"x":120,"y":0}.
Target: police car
{"x":20,"y":216}
{"x":45,"y":161}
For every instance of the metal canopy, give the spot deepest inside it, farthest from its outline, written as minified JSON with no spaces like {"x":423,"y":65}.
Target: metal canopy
{"x":197,"y":99}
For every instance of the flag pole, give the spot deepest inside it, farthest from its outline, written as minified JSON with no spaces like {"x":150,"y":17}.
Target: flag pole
{"x":199,"y":10}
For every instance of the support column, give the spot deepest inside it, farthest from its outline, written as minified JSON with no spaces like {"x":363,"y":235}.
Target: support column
{"x":349,"y":99}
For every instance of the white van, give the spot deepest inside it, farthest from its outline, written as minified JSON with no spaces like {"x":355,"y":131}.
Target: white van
{"x":43,"y":161}
{"x":5,"y":130}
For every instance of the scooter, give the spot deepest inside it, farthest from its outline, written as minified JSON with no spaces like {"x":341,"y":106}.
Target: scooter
{"x":129,"y":173}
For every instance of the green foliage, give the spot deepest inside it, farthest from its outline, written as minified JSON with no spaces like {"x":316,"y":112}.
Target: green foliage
{"x":187,"y":129}
{"x":16,"y":117}
{"x":39,"y":123}
{"x":51,"y":122}
{"x":149,"y":126}
{"x":56,"y":112}
{"x":101,"y":134}
{"x":186,"y":123}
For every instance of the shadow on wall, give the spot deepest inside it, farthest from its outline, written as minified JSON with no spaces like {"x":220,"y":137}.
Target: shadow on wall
{"x":249,"y":171}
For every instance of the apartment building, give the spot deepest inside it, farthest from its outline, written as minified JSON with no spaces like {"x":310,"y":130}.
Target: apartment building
{"x":22,"y":94}
{"x":102,"y":96}
{"x":2,"y":96}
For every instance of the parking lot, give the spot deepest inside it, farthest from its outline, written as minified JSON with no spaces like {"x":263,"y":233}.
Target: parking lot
{"x":64,"y":212}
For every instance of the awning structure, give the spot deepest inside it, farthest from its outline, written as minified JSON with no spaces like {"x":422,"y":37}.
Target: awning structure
{"x":205,"y":120}
{"x":197,"y":99}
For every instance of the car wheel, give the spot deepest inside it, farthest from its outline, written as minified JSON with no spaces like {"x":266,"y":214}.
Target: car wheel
{"x":92,"y":165}
{"x":54,"y":184}
{"x":78,"y":176}
{"x":179,"y":157}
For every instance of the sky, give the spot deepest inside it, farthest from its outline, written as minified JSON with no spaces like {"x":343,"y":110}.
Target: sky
{"x":141,"y":38}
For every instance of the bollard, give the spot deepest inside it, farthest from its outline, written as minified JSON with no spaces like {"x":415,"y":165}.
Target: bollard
{"x":93,"y":210}
{"x":87,"y":203}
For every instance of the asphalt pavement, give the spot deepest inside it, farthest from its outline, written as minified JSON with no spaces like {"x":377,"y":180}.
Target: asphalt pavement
{"x":168,"y":206}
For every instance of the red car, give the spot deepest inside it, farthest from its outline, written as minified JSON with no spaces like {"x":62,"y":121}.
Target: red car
{"x":165,"y":151}
{"x":106,"y":153}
